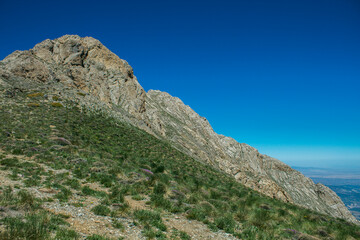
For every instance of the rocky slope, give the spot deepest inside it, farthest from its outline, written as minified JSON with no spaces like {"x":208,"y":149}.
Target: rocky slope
{"x":72,"y":63}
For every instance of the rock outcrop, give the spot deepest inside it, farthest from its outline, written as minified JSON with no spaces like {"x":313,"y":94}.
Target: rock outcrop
{"x":84,"y":64}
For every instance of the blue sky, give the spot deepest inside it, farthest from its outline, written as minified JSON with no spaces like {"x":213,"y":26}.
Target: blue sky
{"x":280,"y":75}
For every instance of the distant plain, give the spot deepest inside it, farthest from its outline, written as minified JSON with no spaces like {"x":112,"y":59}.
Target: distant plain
{"x":344,"y":182}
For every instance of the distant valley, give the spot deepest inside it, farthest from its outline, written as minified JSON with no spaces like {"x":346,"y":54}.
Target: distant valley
{"x":345,"y":183}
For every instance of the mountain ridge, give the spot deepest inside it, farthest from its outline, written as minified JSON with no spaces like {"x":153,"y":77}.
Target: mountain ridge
{"x":87,"y":65}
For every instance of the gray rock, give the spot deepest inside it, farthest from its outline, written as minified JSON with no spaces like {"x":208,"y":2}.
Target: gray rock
{"x":71,"y":64}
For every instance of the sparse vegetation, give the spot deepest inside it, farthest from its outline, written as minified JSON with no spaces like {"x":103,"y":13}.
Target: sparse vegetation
{"x":126,"y":161}
{"x":57,"y":104}
{"x":101,"y":210}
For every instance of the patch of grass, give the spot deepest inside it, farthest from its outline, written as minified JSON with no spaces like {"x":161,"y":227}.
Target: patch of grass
{"x":64,"y":194}
{"x":176,"y":234}
{"x":128,"y":161}
{"x":101,"y":210}
{"x":86,"y":190}
{"x":97,"y":237}
{"x":138,"y":197}
{"x":66,"y":234}
{"x":150,"y":218}
{"x":226,"y":223}
{"x":34,"y":95}
{"x":20,"y":200}
{"x":117,"y":224}
{"x":33,"y":105}
{"x":33,"y":227}
{"x":56,"y":104}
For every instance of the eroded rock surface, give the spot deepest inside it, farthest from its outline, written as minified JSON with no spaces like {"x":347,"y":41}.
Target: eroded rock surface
{"x":84,"y":64}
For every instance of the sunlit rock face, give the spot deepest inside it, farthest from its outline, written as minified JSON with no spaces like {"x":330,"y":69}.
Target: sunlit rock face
{"x":82,"y":63}
{"x":71,"y":63}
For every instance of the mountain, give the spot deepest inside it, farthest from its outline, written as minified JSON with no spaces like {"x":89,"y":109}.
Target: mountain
{"x":85,"y":71}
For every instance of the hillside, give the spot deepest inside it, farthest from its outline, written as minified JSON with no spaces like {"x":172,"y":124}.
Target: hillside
{"x":78,"y":131}
{"x":70,"y":173}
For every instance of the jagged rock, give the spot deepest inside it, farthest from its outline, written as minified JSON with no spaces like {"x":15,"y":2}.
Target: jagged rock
{"x":193,"y":135}
{"x":82,"y":63}
{"x":71,"y":63}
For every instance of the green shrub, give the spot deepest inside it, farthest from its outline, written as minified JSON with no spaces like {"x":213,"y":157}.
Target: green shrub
{"x":66,"y":234}
{"x":160,"y":202}
{"x":10,"y":162}
{"x":26,"y":200}
{"x":138,"y":197}
{"x":64,"y":194}
{"x":160,"y":188}
{"x":197,"y":214}
{"x":101,"y":210}
{"x":97,"y":237}
{"x":57,"y":104}
{"x":34,"y":95}
{"x":117,"y":195}
{"x":73,"y":183}
{"x":31,"y":227}
{"x":117,"y":224}
{"x":86,"y":190}
{"x":150,"y":218}
{"x":226,"y":223}
{"x":33,"y":105}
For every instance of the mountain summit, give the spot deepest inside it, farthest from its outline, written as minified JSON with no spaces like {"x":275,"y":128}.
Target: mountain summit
{"x":84,"y":70}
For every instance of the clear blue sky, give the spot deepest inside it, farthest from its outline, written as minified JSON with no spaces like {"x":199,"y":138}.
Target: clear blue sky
{"x":280,"y":75}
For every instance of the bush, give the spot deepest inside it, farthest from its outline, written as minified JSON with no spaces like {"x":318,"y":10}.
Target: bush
{"x":33,"y":105}
{"x":226,"y":223}
{"x":101,"y":210}
{"x":160,"y":202}
{"x":64,"y":194}
{"x":150,"y":218}
{"x":34,"y":95}
{"x":26,"y":200}
{"x":91,"y":192}
{"x":197,"y":214}
{"x":160,"y":188}
{"x":32,"y":227}
{"x":117,"y":195}
{"x":97,"y":237}
{"x":66,"y":234}
{"x":57,"y":104}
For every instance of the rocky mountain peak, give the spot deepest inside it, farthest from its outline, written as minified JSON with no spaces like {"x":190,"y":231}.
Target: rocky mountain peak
{"x":88,"y":66}
{"x":82,"y":63}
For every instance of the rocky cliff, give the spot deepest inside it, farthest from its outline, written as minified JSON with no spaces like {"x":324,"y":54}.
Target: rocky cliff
{"x":71,"y":65}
